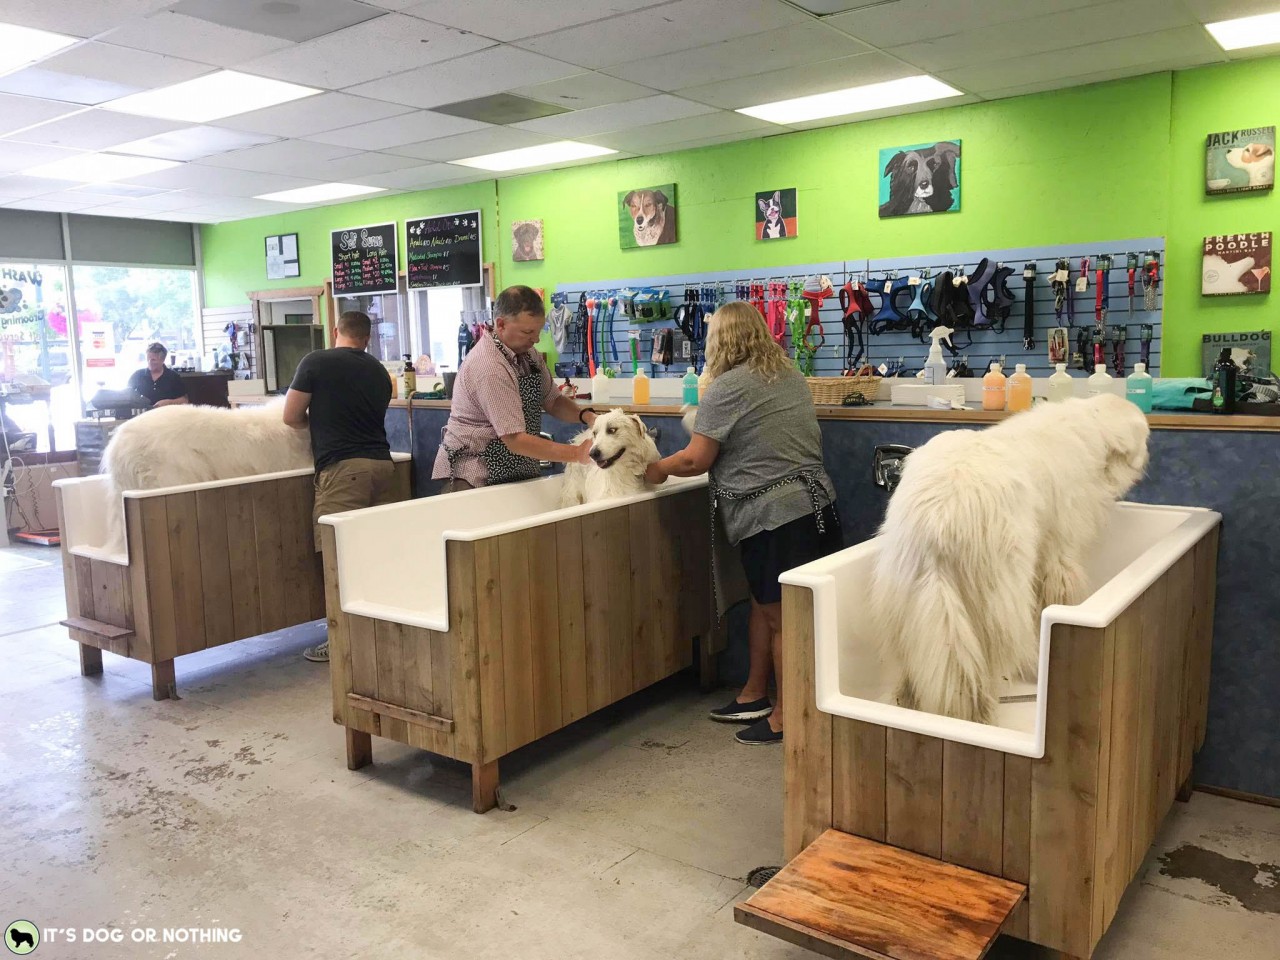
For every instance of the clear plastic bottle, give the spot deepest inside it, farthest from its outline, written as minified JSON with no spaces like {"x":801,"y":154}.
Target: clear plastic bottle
{"x":1138,"y":387}
{"x":993,"y":389}
{"x":1061,"y":386}
{"x":1019,"y":390}
{"x":1100,"y":382}
{"x":639,"y":388}
{"x":690,"y":387}
{"x":703,"y":380}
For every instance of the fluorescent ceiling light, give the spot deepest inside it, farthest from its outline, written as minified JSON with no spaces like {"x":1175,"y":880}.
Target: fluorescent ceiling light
{"x":22,"y":45}
{"x":98,"y":167}
{"x":838,"y":103}
{"x":539,"y":156}
{"x":211,"y":97}
{"x":321,"y":191}
{"x":1246,"y":31}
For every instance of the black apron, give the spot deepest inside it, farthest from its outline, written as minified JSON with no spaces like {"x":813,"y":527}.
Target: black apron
{"x":503,"y":465}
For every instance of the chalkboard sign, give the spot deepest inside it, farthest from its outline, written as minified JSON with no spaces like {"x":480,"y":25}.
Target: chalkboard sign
{"x":364,"y":259}
{"x":444,"y":251}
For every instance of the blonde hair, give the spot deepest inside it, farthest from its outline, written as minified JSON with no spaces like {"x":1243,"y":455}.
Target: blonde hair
{"x":737,"y":335}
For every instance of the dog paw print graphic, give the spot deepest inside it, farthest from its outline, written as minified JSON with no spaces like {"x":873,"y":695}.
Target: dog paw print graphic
{"x":21,"y":937}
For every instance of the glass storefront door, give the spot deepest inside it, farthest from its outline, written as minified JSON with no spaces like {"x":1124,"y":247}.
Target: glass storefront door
{"x":37,"y":377}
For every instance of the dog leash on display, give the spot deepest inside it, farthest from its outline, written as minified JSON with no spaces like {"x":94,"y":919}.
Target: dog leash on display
{"x":1150,"y":281}
{"x":776,"y":311}
{"x":1082,"y":282}
{"x":585,"y":305}
{"x":1029,"y":306}
{"x":1059,"y":280}
{"x":1132,"y":266}
{"x":1102,"y":305}
{"x":1118,"y":336}
{"x":1147,"y":334}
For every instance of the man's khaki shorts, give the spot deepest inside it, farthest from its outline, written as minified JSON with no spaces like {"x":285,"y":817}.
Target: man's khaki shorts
{"x":352,"y":485}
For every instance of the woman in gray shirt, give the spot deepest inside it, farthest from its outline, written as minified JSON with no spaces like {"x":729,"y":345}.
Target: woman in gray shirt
{"x":757,"y":433}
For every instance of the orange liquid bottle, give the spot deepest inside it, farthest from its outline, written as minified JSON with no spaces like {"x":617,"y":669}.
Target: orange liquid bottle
{"x":1020,"y":389}
{"x":993,"y":389}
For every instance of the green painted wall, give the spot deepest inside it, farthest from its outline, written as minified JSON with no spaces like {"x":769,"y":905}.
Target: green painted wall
{"x":1105,"y":162}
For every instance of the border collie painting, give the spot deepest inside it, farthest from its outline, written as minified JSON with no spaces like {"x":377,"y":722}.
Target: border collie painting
{"x":924,"y":178}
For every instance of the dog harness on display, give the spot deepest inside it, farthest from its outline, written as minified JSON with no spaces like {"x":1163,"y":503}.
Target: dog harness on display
{"x":1150,"y":281}
{"x":1029,"y":306}
{"x":978,"y":281}
{"x":889,"y":316}
{"x":1059,"y":280}
{"x":856,"y":309}
{"x":776,"y":311}
{"x":918,"y":310}
{"x":1144,"y":350}
{"x":950,"y":301}
{"x":815,"y":298}
{"x":997,"y":299}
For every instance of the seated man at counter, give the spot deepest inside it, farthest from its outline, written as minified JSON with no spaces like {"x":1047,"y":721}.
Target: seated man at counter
{"x":156,"y":382}
{"x":502,"y":390}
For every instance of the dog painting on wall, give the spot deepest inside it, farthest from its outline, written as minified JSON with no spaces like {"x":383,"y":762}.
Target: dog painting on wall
{"x":776,"y":214}
{"x":1239,"y":161}
{"x":526,"y":240}
{"x":647,"y":217}
{"x":924,"y":178}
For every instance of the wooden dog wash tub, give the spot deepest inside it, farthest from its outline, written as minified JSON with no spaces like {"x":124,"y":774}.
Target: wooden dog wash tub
{"x":1061,"y":796}
{"x":474,"y":623}
{"x":203,"y":564}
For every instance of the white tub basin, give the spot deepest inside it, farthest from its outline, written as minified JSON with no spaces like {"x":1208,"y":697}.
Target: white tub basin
{"x":391,"y":560}
{"x":853,"y":679}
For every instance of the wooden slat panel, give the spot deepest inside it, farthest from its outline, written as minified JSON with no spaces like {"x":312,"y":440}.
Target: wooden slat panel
{"x":1206,"y":597}
{"x":267,"y":527}
{"x":338,"y":629}
{"x":394,"y":711}
{"x":184,"y":561}
{"x":140,"y":647}
{"x":112,"y":599}
{"x":361,"y":634}
{"x":646,"y":653}
{"x":544,"y":615}
{"x":515,"y":597}
{"x":419,"y":683}
{"x":492,"y":708}
{"x":85,"y":602}
{"x":215,"y":567}
{"x":297,"y":550}
{"x":154,"y":523}
{"x":245,"y":598}
{"x":596,"y":549}
{"x":1142,"y":826}
{"x":913,"y":792}
{"x":973,"y":807}
{"x":857,"y":777}
{"x":620,"y":621}
{"x":1017,"y":819}
{"x":460,"y":656}
{"x":806,"y":779}
{"x":389,"y":661}
{"x":1118,"y":779}
{"x":1108,"y":734}
{"x":442,"y":680}
{"x":673,"y":646}
{"x":1064,"y":789}
{"x":68,"y":563}
{"x":573,"y":639}
{"x":1179,"y":619}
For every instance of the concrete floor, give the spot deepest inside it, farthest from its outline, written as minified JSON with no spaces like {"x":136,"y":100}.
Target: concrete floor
{"x":631,"y":836}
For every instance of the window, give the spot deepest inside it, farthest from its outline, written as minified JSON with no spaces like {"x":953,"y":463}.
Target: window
{"x":37,"y":388}
{"x":122,"y":310}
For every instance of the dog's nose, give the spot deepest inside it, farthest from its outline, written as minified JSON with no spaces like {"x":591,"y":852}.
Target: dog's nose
{"x":596,"y":455}
{"x":639,"y":220}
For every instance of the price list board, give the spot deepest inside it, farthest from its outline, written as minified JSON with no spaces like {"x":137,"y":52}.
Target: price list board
{"x":364,"y":260}
{"x":444,"y":251}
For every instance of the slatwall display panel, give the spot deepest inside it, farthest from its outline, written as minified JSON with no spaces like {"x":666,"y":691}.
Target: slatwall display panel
{"x":215,"y":320}
{"x":978,"y":347}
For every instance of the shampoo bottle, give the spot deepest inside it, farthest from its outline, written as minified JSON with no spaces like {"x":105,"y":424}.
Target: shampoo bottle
{"x":639,"y":388}
{"x":410,"y":377}
{"x":1020,"y":389}
{"x":1138,"y":387}
{"x":690,"y":387}
{"x":993,"y":385}
{"x":935,"y":368}
{"x":1061,"y":386}
{"x":600,"y":386}
{"x":1224,"y":383}
{"x":703,"y":380}
{"x":1100,"y":382}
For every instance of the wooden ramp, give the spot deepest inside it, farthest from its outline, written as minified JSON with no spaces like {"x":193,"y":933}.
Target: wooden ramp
{"x":844,"y":896}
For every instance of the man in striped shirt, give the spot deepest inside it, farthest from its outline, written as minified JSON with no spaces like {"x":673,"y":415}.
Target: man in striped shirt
{"x":502,"y":389}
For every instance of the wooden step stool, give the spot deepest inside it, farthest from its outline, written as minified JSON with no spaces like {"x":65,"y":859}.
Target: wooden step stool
{"x":845,"y":896}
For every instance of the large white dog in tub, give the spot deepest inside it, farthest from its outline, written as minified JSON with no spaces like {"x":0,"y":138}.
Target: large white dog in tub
{"x":621,"y":449}
{"x":985,"y":529}
{"x":177,"y":445}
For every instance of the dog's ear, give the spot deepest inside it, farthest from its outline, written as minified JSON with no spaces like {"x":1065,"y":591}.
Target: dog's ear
{"x":639,"y":422}
{"x":659,"y":198}
{"x":777,"y":197}
{"x":626,"y":201}
{"x":764,"y":206}
{"x":1261,"y":150}
{"x":895,"y":163}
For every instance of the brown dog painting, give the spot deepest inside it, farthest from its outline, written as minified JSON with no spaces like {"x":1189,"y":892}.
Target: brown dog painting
{"x":526,"y":240}
{"x":647,"y":217}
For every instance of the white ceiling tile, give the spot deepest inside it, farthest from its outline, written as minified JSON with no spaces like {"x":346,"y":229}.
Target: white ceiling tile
{"x":665,"y":148}
{"x":425,"y":177}
{"x":311,"y":115}
{"x":220,"y":181}
{"x":280,"y":157}
{"x":181,"y":36}
{"x":290,"y":20}
{"x":718,"y":126}
{"x":50,"y":85}
{"x":77,"y":18}
{"x":191,"y":143}
{"x":1187,"y":45}
{"x":179,"y":200}
{"x":1210,"y":11}
{"x":232,"y":208}
{"x":354,"y":168}
{"x":619,"y":116}
{"x":94,"y":129}
{"x":393,"y":4}
{"x":124,"y":192}
{"x":800,"y":81}
{"x":740,"y":57}
{"x":475,"y":75}
{"x":368,"y":51}
{"x":20,"y":156}
{"x":125,"y":210}
{"x":494,"y":18}
{"x":54,"y":206}
{"x":19,"y":112}
{"x":20,"y":186}
{"x":125,"y":66}
{"x":477,"y":144}
{"x":906,"y":21}
{"x":682,"y":25}
{"x":394,"y":132}
{"x":585,"y":90}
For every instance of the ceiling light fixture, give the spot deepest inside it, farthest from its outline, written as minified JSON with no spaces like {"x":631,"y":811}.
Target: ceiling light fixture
{"x":561,"y":151}
{"x":98,"y":167}
{"x":224,"y":93}
{"x":319,"y":193}
{"x":20,"y":46}
{"x":839,"y":103}
{"x":1246,"y":31}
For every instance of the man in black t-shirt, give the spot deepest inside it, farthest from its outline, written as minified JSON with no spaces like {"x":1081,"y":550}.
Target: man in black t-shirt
{"x":156,"y":382}
{"x":342,"y":395}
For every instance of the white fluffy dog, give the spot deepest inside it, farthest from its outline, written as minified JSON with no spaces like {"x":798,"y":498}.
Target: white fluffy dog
{"x":985,"y":529}
{"x":177,"y":445}
{"x":621,"y":448}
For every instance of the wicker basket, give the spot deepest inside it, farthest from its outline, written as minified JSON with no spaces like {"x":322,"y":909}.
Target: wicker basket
{"x":833,"y":390}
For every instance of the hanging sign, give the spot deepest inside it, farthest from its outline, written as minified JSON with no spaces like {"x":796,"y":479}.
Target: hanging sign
{"x":364,"y":260}
{"x":444,"y":251}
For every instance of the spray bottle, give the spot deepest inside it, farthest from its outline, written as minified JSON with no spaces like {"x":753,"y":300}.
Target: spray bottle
{"x":935,"y":368}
